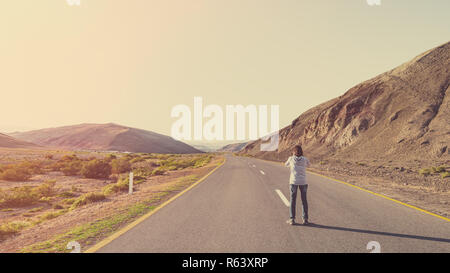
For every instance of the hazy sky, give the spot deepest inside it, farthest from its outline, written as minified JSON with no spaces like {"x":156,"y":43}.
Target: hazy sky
{"x":131,"y":61}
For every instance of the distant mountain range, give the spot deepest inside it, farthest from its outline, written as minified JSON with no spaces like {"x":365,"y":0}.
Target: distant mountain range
{"x":211,"y":146}
{"x":106,"y":137}
{"x":10,"y":142}
{"x":234,"y":147}
{"x":403,"y":114}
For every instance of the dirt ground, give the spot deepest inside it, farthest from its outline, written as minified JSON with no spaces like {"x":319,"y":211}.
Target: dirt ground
{"x":399,"y":181}
{"x":112,"y":205}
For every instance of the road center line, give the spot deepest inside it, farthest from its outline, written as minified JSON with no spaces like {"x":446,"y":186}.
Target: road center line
{"x":263,"y":173}
{"x":283,"y":198}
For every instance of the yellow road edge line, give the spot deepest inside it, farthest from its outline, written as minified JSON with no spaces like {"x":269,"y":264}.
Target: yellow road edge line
{"x":120,"y":232}
{"x":374,"y":193}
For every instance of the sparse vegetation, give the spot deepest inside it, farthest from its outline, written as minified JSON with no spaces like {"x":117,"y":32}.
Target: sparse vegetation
{"x":137,"y":159}
{"x":434,"y":170}
{"x":69,"y":201}
{"x":21,"y":171}
{"x":106,"y":226}
{"x":26,"y":195}
{"x":11,"y":228}
{"x":46,"y":189}
{"x":87,"y":198}
{"x":33,"y":167}
{"x":121,"y":165}
{"x":15,"y":174}
{"x":439,"y":169}
{"x":57,"y":206}
{"x":18,"y":197}
{"x":48,"y":216}
{"x":123,"y":181}
{"x":67,"y":194}
{"x":72,"y":168}
{"x":96,"y":168}
{"x":158,"y":171}
{"x":425,"y":172}
{"x":110,"y":157}
{"x":38,"y":201}
{"x":36,"y":209}
{"x":120,"y":185}
{"x":87,"y":231}
{"x":179,"y":163}
{"x":67,"y":158}
{"x":182,"y":163}
{"x":75,"y":189}
{"x":141,"y":174}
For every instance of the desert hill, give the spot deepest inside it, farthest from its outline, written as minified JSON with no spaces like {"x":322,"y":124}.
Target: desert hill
{"x":109,"y":137}
{"x":10,"y":142}
{"x":403,"y":114}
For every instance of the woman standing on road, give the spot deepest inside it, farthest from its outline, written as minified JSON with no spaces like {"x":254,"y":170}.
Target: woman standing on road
{"x":297,"y":164}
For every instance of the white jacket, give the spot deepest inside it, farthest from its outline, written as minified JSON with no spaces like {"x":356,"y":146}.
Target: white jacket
{"x":298,"y":165}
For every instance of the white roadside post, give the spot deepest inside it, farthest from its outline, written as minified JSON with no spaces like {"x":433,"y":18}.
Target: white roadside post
{"x":130,"y":187}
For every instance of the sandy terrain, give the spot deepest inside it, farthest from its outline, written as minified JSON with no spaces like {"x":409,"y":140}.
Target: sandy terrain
{"x":402,"y":183}
{"x":112,"y":205}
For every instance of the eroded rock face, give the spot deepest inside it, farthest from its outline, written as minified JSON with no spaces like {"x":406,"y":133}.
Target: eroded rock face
{"x":403,"y":113}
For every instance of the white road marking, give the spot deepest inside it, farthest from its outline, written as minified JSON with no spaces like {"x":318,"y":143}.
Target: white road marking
{"x":283,"y":198}
{"x":263,"y":173}
{"x":254,"y":166}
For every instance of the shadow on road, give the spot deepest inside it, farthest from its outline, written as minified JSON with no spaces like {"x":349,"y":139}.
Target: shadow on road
{"x":378,"y":233}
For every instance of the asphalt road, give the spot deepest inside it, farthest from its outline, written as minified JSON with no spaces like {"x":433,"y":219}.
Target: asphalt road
{"x":237,"y":209}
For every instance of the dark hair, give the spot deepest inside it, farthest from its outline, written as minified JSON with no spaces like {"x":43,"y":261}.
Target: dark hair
{"x":298,"y":150}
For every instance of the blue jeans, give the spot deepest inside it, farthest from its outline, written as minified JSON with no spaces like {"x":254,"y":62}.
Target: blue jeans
{"x":303,"y":189}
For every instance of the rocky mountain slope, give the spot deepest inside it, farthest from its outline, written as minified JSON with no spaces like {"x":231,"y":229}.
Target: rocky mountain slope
{"x":403,"y":114}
